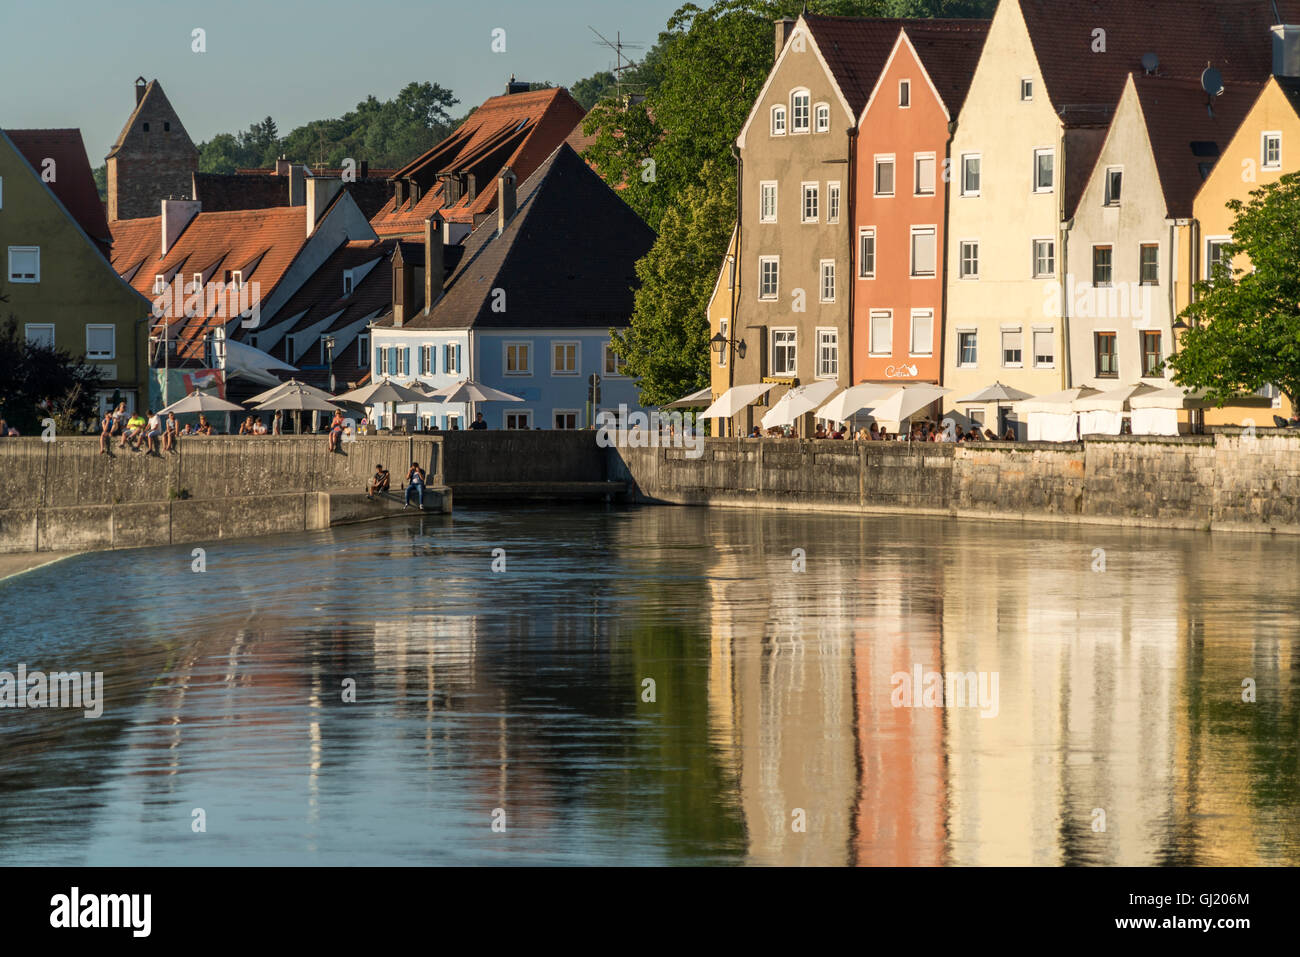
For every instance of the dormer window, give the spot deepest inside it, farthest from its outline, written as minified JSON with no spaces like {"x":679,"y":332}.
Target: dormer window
{"x":237,"y":279}
{"x":347,"y":282}
{"x":778,"y":121}
{"x":800,"y":111}
{"x":159,"y":284}
{"x":198,"y":280}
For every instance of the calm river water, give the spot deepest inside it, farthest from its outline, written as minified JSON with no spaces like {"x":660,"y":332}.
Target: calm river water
{"x":660,"y":686}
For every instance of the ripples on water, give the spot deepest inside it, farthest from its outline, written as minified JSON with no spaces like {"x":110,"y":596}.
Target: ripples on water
{"x":1118,"y":691}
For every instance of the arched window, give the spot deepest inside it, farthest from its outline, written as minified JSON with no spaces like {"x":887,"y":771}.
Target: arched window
{"x":778,"y":121}
{"x":800,"y":109}
{"x":822,"y":116}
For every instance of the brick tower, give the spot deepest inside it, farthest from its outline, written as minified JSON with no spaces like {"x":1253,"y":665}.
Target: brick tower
{"x":153,"y":159}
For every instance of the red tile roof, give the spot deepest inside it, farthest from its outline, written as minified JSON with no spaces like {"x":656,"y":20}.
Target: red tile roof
{"x":74,"y":183}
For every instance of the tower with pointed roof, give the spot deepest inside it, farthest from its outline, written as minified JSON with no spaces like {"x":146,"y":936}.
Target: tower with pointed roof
{"x":153,"y":159}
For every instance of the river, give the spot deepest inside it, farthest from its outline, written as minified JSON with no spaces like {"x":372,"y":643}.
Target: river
{"x":663,"y":686}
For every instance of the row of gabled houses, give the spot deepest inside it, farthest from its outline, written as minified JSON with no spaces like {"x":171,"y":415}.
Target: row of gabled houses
{"x":1026,"y":200}
{"x":497,"y":256}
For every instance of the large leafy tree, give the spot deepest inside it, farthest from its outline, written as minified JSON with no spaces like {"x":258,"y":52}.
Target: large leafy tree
{"x":1245,"y":323}
{"x":38,"y":382}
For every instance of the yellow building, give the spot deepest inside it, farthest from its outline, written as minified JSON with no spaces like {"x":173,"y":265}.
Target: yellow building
{"x":722,"y":309}
{"x":1265,"y":147}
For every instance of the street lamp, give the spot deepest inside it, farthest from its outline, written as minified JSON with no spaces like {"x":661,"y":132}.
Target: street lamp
{"x":718,"y":343}
{"x":329,"y":357}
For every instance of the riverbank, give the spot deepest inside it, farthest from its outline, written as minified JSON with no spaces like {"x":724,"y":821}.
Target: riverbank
{"x":16,"y":563}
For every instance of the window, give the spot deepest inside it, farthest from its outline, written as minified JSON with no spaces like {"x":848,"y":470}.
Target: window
{"x":1149,"y":264}
{"x":784,"y":343}
{"x":1214,"y":256}
{"x":1044,"y":171}
{"x":967,"y":350}
{"x":1107,"y":361}
{"x":146,"y":127}
{"x":810,"y":209}
{"x":885,"y":175}
{"x":823,"y":118}
{"x":1026,"y":89}
{"x":1114,"y":185}
{"x":237,"y":279}
{"x":451,"y":358}
{"x":832,"y":202}
{"x":453,"y":421}
{"x":904,"y":94}
{"x":564,"y":358}
{"x":347,"y":282}
{"x":976,"y":416}
{"x":167,"y":126}
{"x":923,"y":251}
{"x":1151,"y":358}
{"x":40,"y":334}
{"x":828,"y":353}
{"x":1012,"y":356}
{"x":799,"y":107}
{"x":1044,"y":349}
{"x":363,"y":350}
{"x":1102,"y":265}
{"x":383,"y":358}
{"x":923,"y":174}
{"x":198,"y":281}
{"x":767,"y":202}
{"x":101,"y":342}
{"x":406,"y":361}
{"x":769,"y":275}
{"x":566,"y":419}
{"x":159,"y":285}
{"x":24,"y":263}
{"x":922,"y":332}
{"x":426,"y":360}
{"x":519,"y":358}
{"x":867,"y":252}
{"x":1271,"y":150}
{"x":519,"y":419}
{"x":722,"y":330}
{"x":882,"y":332}
{"x":778,"y":121}
{"x":970,"y":174}
{"x":612,"y":362}
{"x":970,"y":259}
{"x":1044,"y":258}
{"x":828,"y":280}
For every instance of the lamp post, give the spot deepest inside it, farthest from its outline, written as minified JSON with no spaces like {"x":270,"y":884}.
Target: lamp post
{"x":329,"y":357}
{"x":720,"y":344}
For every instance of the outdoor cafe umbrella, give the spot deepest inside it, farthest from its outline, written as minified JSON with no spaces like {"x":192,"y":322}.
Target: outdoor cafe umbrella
{"x":731,"y":402}
{"x":383,"y":392}
{"x":854,"y":399}
{"x":797,"y":402}
{"x":906,"y":402}
{"x":296,"y":400}
{"x":285,"y":386}
{"x":997,"y":392}
{"x":200,"y":402}
{"x":693,"y":401}
{"x":470,"y":392}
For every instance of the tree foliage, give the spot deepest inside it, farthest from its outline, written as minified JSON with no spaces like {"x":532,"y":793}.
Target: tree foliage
{"x":1246,"y":319}
{"x":38,"y":382}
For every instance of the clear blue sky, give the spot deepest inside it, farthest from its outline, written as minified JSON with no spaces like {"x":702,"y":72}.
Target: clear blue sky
{"x":72,"y":63}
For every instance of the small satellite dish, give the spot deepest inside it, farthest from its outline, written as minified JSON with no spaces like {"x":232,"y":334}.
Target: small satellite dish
{"x":1150,"y":62}
{"x":1212,"y":81}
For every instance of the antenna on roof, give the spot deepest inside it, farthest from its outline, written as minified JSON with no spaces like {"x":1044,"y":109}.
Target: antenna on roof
{"x":1150,"y":63}
{"x":1212,"y":83}
{"x":618,"y":46}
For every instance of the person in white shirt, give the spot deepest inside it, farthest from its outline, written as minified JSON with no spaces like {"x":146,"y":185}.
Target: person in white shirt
{"x":152,"y":432}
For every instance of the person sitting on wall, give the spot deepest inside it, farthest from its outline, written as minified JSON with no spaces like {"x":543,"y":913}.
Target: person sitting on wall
{"x":336,"y":432}
{"x":106,"y":433}
{"x":821,"y":432}
{"x":990,"y":435}
{"x":415,"y":483}
{"x":259,"y":427}
{"x":277,"y":424}
{"x":134,"y":431}
{"x":378,"y":483}
{"x":755,"y":433}
{"x":1009,"y":435}
{"x":169,"y":434}
{"x":478,"y":424}
{"x":204,"y":427}
{"x":246,"y":427}
{"x":153,"y":432}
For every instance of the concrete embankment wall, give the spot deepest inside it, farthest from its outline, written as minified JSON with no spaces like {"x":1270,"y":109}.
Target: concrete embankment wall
{"x":65,"y":495}
{"x":1222,"y":482}
{"x":495,"y":456}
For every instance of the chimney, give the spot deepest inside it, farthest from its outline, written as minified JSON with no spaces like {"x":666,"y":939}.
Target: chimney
{"x":433,"y":261}
{"x":140,"y":86}
{"x":505,"y":199}
{"x":297,"y":185}
{"x":784,"y":27}
{"x":282,"y":166}
{"x":364,"y":171}
{"x":403,"y":287}
{"x":516,"y":86}
{"x":320,"y":191}
{"x":1286,"y":50}
{"x":471,"y":187}
{"x":176,"y":215}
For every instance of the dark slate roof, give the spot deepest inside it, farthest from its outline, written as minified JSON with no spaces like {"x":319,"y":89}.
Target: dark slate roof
{"x":566,"y":258}
{"x":224,"y":192}
{"x":949,"y":51}
{"x":1176,"y":117}
{"x":74,"y":183}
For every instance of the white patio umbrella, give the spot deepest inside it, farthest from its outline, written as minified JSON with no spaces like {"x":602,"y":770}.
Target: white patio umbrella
{"x":854,"y":399}
{"x":471,"y":391}
{"x":799,"y":401}
{"x":296,"y":399}
{"x":1103,"y":413}
{"x":1051,"y":418}
{"x":1056,"y":402}
{"x":736,"y":399}
{"x":1172,"y":398}
{"x":201,"y":402}
{"x":906,"y":402}
{"x":997,"y":392}
{"x":692,"y":401}
{"x":285,"y":386}
{"x":385,"y":390}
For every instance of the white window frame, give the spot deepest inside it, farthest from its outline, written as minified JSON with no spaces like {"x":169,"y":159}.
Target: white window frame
{"x":968,"y":331}
{"x":1211,"y":241}
{"x":1093,"y":270}
{"x":1044,"y":151}
{"x":363,"y":351}
{"x":1263,"y":149}
{"x":776,"y":286}
{"x":1144,"y":244}
{"x":1026,"y":83}
{"x":722,"y":330}
{"x":796,"y":95}
{"x":823,"y":372}
{"x":159,"y":284}
{"x":450,"y":350}
{"x":577,"y":358}
{"x":821,"y":284}
{"x":237,"y":279}
{"x":961,"y":173}
{"x":1033,"y":257}
{"x":1002,"y":347}
{"x":865,"y":232}
{"x":872,"y":346}
{"x":766,"y":188}
{"x":916,"y":174}
{"x":517,"y":344}
{"x":99,"y":356}
{"x":832,"y":202}
{"x":33,"y":278}
{"x":1105,"y":183}
{"x":962,"y":275}
{"x":793,"y":368}
{"x":30,"y":326}
{"x":577,"y":419}
{"x":924,"y":230}
{"x":805,"y":190}
{"x":606,"y":352}
{"x":1033,"y":346}
{"x":822,"y":111}
{"x":778,"y":121}
{"x":911,"y":334}
{"x":881,"y":158}
{"x":904,"y":94}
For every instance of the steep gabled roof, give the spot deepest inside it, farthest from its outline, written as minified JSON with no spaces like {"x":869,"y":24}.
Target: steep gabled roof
{"x":153,"y":100}
{"x":74,"y":183}
{"x":949,"y":50}
{"x":566,"y":259}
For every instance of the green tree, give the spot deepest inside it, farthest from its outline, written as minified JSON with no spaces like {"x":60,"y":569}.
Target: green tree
{"x":666,"y":345}
{"x":1245,"y":323}
{"x":38,"y":382}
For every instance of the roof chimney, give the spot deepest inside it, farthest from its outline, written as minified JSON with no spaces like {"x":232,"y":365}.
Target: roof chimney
{"x":516,"y":86}
{"x":321,"y":191}
{"x":506,"y":199}
{"x":403,"y":287}
{"x":1286,"y":50}
{"x":176,"y":215}
{"x":282,"y":166}
{"x":297,"y":185}
{"x":140,"y":86}
{"x":784,"y":27}
{"x":433,"y":262}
